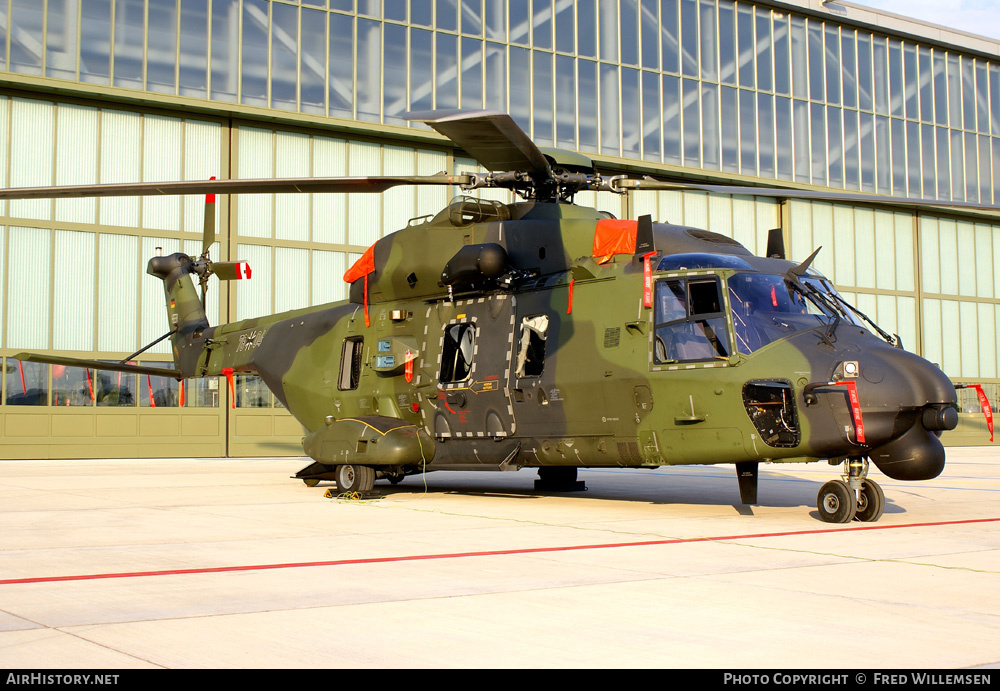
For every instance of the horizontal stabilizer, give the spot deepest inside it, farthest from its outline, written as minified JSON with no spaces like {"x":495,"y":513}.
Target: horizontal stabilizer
{"x":98,"y":364}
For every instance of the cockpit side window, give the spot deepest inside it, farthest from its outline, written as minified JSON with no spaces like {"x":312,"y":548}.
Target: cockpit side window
{"x":690,"y":320}
{"x":457,"y":352}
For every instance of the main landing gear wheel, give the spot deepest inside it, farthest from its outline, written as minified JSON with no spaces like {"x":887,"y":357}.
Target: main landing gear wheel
{"x":354,"y":478}
{"x":871,"y":502}
{"x":836,"y":502}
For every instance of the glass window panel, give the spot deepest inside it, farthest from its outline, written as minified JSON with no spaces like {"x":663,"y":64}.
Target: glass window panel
{"x":446,"y":14}
{"x":520,"y":87}
{"x":27,"y":383}
{"x":369,"y":69}
{"x":116,"y":389}
{"x":727,"y":42}
{"x":193,"y":57}
{"x":783,"y":144}
{"x":495,"y":20}
{"x":651,"y":114}
{"x":985,"y":182}
{"x":852,"y":150}
{"x":542,"y":110}
{"x":225,"y":49}
{"x":943,"y":164}
{"x":880,"y":61}
{"x":927,"y":165}
{"x":834,"y":65}
{"x":130,"y":29}
{"x":835,"y":146}
{"x":911,"y":81}
{"x":541,"y":21}
{"x":745,"y":36}
{"x":284,"y":52}
{"x":672,"y":120}
{"x":520,"y":21}
{"x":629,"y":31}
{"x":156,"y":391}
{"x":472,"y":73}
{"x":253,"y":68}
{"x":801,"y":140}
{"x":161,"y":48}
{"x":117,"y":293}
{"x":982,"y":99}
{"x":587,"y":113}
{"x":470,"y":15}
{"x":898,"y":133}
{"x":72,"y":386}
{"x":630,"y":113}
{"x":608,"y":29}
{"x":610,"y":99}
{"x":372,"y":8}
{"x":710,"y":126}
{"x":312,"y":63}
{"x":765,"y":135}
{"x":394,"y":10}
{"x":996,"y":168}
{"x":849,"y":67}
{"x":967,"y":266}
{"x":763,"y":49}
{"x":566,"y":27}
{"x":251,"y":392}
{"x":883,"y":159}
{"x":925,"y":83}
{"x":689,"y":38}
{"x":817,"y":131}
{"x":865,"y":98}
{"x":26,"y":29}
{"x":913,"y":158}
{"x":709,"y":39}
{"x":95,"y":41}
{"x":940,"y":89}
{"x":31,"y":150}
{"x":800,"y":60}
{"x":730,"y":119}
{"x":669,"y":36}
{"x":748,"y":133}
{"x":60,"y":39}
{"x":968,"y":94}
{"x":446,"y":56}
{"x":954,"y":91}
{"x":782,"y":70}
{"x":77,"y":151}
{"x":817,"y":62}
{"x":342,"y":65}
{"x":421,"y":75}
{"x":866,"y":129}
{"x":199,"y":393}
{"x":586,"y":28}
{"x":649,"y":33}
{"x":971,"y":167}
{"x":421,"y":13}
{"x":566,"y":91}
{"x":496,"y":77}
{"x":948,"y":251}
{"x":957,"y":165}
{"x":995,"y":100}
{"x":73,"y":281}
{"x":896,"y":90}
{"x":692,"y":123}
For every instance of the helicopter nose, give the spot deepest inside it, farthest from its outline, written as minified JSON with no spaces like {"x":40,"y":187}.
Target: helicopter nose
{"x":924,"y":399}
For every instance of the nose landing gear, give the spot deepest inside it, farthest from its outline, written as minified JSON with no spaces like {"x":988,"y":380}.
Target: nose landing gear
{"x":854,"y":497}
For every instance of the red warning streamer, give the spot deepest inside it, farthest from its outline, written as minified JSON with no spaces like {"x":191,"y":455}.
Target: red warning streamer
{"x":232,"y":389}
{"x":647,"y":280}
{"x":569,"y":304}
{"x":984,"y":403}
{"x":859,"y":425}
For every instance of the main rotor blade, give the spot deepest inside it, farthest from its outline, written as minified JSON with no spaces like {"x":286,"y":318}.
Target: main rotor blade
{"x":254,"y":186}
{"x":490,"y":137}
{"x":817,"y":195}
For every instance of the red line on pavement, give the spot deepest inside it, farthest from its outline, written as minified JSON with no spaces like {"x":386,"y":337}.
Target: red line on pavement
{"x":491,"y":553}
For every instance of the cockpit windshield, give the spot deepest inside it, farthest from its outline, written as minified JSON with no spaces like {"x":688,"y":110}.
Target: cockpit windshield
{"x":767,"y":308}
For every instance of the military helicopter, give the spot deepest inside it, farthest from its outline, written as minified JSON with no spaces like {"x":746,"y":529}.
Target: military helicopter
{"x":544,"y":334}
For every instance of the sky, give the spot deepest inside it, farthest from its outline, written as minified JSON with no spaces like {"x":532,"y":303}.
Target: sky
{"x":981,"y":17}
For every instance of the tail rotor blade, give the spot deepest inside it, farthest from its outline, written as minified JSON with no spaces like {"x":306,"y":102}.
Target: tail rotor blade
{"x":208,"y":235}
{"x":231,"y":271}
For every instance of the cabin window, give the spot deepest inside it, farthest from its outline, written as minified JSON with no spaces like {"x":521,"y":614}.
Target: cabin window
{"x":457,"y":352}
{"x":690,"y":320}
{"x":531,"y":346}
{"x":350,"y":363}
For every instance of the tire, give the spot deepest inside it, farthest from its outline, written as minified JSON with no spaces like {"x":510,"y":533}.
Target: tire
{"x":310,"y":481}
{"x":836,"y":502}
{"x":871,"y":502}
{"x":354,"y":478}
